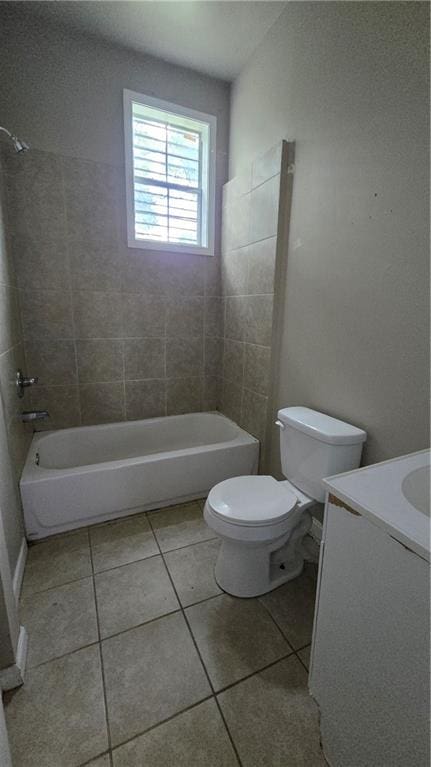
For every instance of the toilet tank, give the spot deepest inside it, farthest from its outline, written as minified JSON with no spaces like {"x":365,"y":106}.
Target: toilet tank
{"x":314,"y":446}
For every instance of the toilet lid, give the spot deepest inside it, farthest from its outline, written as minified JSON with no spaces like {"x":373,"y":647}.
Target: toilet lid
{"x":253,"y":500}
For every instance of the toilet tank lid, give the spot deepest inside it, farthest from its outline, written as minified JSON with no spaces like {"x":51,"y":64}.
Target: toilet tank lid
{"x":322,"y":427}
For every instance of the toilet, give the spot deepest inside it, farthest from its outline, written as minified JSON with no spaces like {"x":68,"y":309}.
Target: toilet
{"x":261,"y":521}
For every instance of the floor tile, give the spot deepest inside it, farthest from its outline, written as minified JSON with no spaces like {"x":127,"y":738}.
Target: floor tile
{"x":118,"y":543}
{"x":151,"y":672}
{"x":180,"y":526}
{"x":272,"y":718}
{"x":235,"y":637}
{"x":102,"y":761}
{"x":133,"y":594}
{"x":192,"y":571}
{"x":292,"y":606}
{"x":58,"y":716}
{"x":304,"y":654}
{"x":56,"y":561}
{"x":59,"y":620}
{"x":195,"y":738}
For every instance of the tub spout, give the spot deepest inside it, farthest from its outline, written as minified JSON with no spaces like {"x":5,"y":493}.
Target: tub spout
{"x":34,"y":415}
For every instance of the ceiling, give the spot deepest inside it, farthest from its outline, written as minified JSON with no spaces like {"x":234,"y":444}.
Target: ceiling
{"x":213,"y":37}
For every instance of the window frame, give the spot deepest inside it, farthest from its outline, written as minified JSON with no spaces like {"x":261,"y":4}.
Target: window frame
{"x":129,"y":97}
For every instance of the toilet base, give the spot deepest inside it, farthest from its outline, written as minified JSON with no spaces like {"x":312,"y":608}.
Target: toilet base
{"x":250,"y":570}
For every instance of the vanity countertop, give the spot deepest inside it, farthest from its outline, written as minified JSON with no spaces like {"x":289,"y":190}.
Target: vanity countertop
{"x":394,"y":495}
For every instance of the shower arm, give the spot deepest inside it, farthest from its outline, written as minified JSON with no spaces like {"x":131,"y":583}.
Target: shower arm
{"x":20,"y":146}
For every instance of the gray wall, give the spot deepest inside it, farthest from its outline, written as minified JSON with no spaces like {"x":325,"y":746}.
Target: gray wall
{"x":112,"y":332}
{"x":349,"y":83}
{"x":14,"y":439}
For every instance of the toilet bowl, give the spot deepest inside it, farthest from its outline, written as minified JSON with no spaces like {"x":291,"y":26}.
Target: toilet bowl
{"x":261,"y":521}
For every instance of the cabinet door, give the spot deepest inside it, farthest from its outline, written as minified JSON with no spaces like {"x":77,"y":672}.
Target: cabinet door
{"x":370,"y":659}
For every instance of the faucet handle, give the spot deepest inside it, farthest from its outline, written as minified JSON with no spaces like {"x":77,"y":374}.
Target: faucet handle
{"x":22,"y":382}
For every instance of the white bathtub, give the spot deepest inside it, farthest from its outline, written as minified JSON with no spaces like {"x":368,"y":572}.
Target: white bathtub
{"x":77,"y":477}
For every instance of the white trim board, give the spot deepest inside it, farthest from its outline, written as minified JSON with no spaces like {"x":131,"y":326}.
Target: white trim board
{"x":13,"y":676}
{"x":19,"y":570}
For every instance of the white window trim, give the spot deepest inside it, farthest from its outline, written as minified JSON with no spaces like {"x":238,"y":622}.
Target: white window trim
{"x":128,"y":98}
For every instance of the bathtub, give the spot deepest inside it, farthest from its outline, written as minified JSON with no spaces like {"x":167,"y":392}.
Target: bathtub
{"x":78,"y":477}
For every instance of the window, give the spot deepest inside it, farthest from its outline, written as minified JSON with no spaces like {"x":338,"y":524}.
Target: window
{"x":170,"y":175}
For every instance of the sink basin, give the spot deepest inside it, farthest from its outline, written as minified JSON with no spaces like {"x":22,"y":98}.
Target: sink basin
{"x":416,"y":489}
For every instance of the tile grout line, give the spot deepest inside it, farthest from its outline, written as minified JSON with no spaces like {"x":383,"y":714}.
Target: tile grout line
{"x":105,"y":699}
{"x":70,"y":293}
{"x":198,"y":653}
{"x":275,"y":623}
{"x":117,"y":567}
{"x":181,"y":609}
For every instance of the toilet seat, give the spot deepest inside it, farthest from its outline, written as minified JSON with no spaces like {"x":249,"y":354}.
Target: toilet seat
{"x":251,"y":501}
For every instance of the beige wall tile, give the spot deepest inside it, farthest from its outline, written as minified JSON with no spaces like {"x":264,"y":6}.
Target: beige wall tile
{"x":213,"y":317}
{"x":237,"y":186}
{"x":10,"y":326}
{"x":236,"y":231}
{"x":144,"y":358}
{"x":264,"y":210}
{"x":257,"y":368}
{"x":145,"y":399}
{"x":40,"y":263}
{"x":62,"y":404}
{"x":236,"y":317}
{"x":91,"y":200}
{"x":101,"y":403}
{"x":185,"y":317}
{"x":46,"y":314}
{"x":254,"y":413}
{"x":186,"y":274}
{"x":234,"y":272}
{"x":143,"y":316}
{"x":99,"y":360}
{"x":184,"y":395}
{"x":261,"y":266}
{"x":94,"y":265}
{"x":213,"y":276}
{"x":266,"y":165}
{"x":97,"y":314}
{"x":258,"y":325}
{"x":212,"y":392}
{"x":35,"y":199}
{"x":233,"y":361}
{"x":10,"y":362}
{"x":53,"y":361}
{"x":184,"y":357}
{"x":144,"y":273}
{"x":213,"y":356}
{"x":231,"y":399}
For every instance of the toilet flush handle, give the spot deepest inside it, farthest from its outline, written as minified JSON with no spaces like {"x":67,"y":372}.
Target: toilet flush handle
{"x":280,"y":424}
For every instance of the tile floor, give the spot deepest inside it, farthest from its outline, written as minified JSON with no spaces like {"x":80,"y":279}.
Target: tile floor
{"x":136,"y":658}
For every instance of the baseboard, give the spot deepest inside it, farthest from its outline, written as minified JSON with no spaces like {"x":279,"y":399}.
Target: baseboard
{"x":19,"y":570}
{"x":13,"y":676}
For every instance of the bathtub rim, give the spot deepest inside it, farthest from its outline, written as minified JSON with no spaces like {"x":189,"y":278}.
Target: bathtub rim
{"x":33,"y":472}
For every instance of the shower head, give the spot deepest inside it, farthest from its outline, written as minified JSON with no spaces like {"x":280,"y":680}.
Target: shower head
{"x":19,"y":146}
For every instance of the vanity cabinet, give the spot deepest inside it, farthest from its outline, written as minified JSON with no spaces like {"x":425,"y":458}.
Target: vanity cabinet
{"x":370,"y":665}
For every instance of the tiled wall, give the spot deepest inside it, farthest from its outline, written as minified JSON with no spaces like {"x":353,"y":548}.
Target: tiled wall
{"x":112,"y":332}
{"x":14,"y":436}
{"x":250,"y":229}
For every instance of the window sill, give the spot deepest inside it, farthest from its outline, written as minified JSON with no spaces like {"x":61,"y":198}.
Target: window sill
{"x":167,"y":247}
